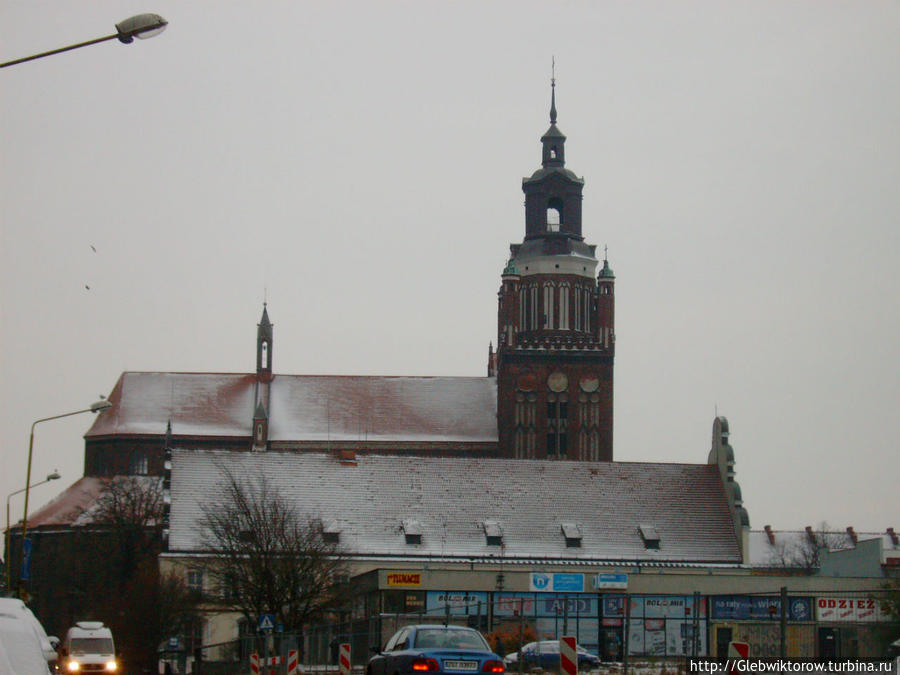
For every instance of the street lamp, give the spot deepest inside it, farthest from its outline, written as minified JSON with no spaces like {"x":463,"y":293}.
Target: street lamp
{"x":95,"y":408}
{"x":142,"y":26}
{"x":50,"y":476}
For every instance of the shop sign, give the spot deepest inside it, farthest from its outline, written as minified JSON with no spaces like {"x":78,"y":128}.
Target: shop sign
{"x":459,"y":603}
{"x":654,"y":606}
{"x":572,"y":606}
{"x":759,"y":608}
{"x":613,"y":605}
{"x":513,"y":605}
{"x":557,"y":583}
{"x":849,"y":609}
{"x":404,"y":579}
{"x":602,"y":581}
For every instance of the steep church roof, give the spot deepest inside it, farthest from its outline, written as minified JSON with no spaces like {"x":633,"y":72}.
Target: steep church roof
{"x":531,"y":502}
{"x":304,"y":408}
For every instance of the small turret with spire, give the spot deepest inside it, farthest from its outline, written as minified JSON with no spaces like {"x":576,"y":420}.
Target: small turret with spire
{"x":554,"y":141}
{"x":264,"y":376}
{"x":264,"y":347}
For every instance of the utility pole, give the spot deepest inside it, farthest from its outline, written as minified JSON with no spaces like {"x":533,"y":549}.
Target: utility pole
{"x":784,"y":602}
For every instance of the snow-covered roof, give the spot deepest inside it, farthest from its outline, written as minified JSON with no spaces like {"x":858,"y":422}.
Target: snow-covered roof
{"x":304,"y":408}
{"x":775,"y":548}
{"x":76,"y":505}
{"x":451,"y":499}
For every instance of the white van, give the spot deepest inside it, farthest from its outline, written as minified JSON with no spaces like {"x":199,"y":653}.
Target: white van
{"x":89,"y":648}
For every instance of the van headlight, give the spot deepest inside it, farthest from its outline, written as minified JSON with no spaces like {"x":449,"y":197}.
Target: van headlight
{"x":73,"y":666}
{"x":111,"y":666}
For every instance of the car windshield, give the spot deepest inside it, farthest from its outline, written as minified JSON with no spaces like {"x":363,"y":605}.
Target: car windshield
{"x":431,"y":638}
{"x":90,"y":646}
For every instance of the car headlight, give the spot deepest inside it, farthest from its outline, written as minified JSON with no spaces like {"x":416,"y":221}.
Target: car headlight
{"x":73,"y":666}
{"x":111,"y":666}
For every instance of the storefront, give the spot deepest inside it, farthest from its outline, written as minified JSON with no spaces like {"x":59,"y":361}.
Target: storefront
{"x":756,"y":619}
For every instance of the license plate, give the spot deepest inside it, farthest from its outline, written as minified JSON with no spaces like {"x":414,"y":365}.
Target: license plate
{"x":461,"y":666}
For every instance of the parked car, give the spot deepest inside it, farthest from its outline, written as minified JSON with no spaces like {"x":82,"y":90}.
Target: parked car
{"x":435,"y":649}
{"x":21,"y":652}
{"x":893,"y":649}
{"x":13,"y":607}
{"x":544,"y":655}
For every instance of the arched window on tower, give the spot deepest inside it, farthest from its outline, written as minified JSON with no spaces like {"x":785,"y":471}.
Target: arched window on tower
{"x":264,"y":355}
{"x":554,"y":214}
{"x":553,"y":152}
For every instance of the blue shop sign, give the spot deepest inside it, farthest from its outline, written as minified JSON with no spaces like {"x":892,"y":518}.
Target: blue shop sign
{"x":557,"y":583}
{"x":743,"y":608}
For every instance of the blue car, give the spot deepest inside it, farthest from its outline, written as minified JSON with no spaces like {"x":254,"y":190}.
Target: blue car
{"x":430,"y":649}
{"x":544,"y":655}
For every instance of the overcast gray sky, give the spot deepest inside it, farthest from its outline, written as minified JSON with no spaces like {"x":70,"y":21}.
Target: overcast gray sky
{"x":360,"y":164}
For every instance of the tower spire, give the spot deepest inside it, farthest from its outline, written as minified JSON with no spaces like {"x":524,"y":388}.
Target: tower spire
{"x":553,"y":91}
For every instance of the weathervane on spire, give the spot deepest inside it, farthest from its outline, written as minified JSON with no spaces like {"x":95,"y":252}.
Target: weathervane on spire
{"x":553,"y":90}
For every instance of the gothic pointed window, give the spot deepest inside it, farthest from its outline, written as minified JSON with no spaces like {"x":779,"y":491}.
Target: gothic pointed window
{"x":587,"y":310}
{"x":577,"y":308}
{"x":264,"y":355}
{"x":564,"y":306}
{"x":549,"y":292}
{"x":557,"y":425}
{"x":533,"y":307}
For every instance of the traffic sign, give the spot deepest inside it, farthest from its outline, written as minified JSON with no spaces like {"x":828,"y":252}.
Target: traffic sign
{"x":267,"y":622}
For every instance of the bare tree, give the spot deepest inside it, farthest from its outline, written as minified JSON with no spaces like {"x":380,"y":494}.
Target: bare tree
{"x":130,"y":510}
{"x":119,"y":537}
{"x":271,"y":558}
{"x":802,"y":552}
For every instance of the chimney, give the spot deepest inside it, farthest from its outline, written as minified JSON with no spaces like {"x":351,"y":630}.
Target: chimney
{"x":893,"y":535}
{"x":770,"y":535}
{"x":852,"y":534}
{"x":810,"y":535}
{"x":347,"y":458}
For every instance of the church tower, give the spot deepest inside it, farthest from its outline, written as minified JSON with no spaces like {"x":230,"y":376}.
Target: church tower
{"x":555,"y":332}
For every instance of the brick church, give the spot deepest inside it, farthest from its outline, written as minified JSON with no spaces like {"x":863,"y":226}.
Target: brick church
{"x":547,"y":394}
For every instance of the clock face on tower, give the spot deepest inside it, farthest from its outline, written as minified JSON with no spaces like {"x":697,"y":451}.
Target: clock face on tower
{"x":526,"y":382}
{"x":557,"y":382}
{"x":589,"y":383}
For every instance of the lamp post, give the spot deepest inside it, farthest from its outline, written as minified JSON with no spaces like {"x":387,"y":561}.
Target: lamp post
{"x":95,"y":408}
{"x":50,"y":476}
{"x":141,"y":26}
